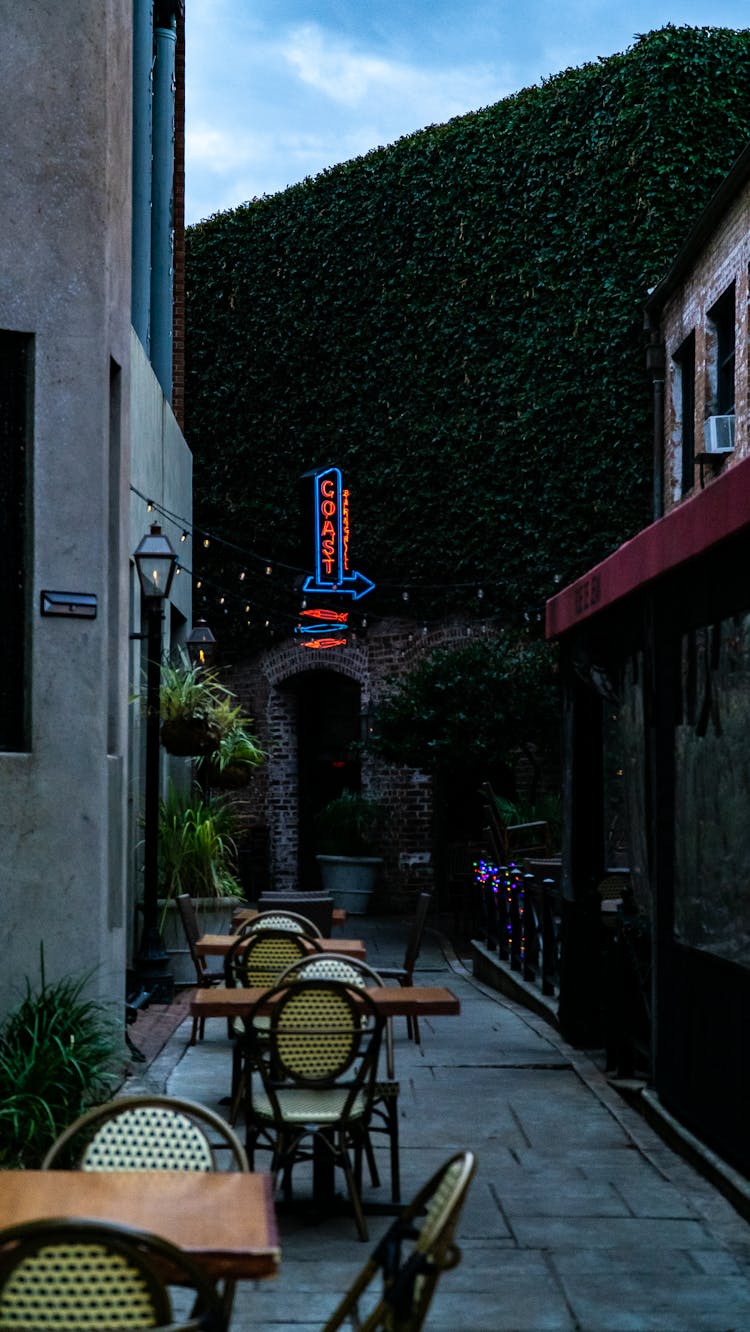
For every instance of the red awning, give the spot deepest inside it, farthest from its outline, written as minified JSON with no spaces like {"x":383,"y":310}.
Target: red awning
{"x":721,"y":510}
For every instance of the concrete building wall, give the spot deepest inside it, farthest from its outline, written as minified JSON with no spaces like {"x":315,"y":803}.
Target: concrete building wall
{"x":65,"y":188}
{"x":724,"y":259}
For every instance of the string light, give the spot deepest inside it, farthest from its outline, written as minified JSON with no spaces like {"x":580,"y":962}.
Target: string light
{"x":185,"y":535}
{"x":150,"y":505}
{"x":206,"y":543}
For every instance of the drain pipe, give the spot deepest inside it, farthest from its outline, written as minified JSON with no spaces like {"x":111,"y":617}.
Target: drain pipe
{"x":655,"y":364}
{"x":162,"y":183}
{"x":143,"y":47}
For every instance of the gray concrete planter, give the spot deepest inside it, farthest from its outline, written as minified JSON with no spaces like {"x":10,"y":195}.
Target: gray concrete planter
{"x":350,"y":880}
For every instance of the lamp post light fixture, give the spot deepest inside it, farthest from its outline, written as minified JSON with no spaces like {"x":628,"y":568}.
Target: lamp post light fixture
{"x":155,"y":561}
{"x":201,"y":644}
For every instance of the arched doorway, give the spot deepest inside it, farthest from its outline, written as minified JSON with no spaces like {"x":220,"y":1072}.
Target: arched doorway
{"x":328,"y":727}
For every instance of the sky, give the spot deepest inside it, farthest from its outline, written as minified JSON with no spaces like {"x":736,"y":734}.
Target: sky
{"x":278,"y":90}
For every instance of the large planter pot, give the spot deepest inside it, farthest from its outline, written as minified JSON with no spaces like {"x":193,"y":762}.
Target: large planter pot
{"x":350,"y":880}
{"x":214,"y":916}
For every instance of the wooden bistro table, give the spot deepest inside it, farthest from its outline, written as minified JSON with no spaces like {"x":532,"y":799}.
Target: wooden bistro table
{"x":224,"y":1220}
{"x":218,"y":945}
{"x":390,"y":1000}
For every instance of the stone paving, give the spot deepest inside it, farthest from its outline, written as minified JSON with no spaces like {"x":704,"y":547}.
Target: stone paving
{"x":580,"y":1218}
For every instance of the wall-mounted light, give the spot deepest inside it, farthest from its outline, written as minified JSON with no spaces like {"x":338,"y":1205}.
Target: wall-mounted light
{"x":201,"y":644}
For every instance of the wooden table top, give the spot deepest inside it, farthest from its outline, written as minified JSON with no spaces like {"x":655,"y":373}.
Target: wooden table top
{"x":390,"y":1000}
{"x":224,"y":1220}
{"x":218,"y":945}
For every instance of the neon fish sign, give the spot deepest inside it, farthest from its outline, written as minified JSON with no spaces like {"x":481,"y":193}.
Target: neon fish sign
{"x":332,"y":528}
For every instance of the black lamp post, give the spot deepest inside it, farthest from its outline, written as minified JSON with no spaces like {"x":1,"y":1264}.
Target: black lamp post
{"x":155,"y":561}
{"x":201,"y":644}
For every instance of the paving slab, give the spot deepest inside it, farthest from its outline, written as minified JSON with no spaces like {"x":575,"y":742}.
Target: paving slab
{"x":580,"y":1218}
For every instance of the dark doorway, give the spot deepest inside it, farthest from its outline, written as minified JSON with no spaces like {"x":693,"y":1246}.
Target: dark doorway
{"x":328,"y":725}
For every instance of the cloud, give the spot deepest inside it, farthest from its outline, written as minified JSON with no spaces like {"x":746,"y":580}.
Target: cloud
{"x":356,"y":78}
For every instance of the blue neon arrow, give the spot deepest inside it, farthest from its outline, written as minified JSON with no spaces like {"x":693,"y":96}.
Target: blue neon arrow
{"x":356,"y":586}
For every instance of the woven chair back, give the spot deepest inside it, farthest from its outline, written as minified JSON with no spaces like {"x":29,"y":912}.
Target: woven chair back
{"x":142,"y":1133}
{"x":279,"y":919}
{"x":315,"y":1032}
{"x":74,"y":1276}
{"x":259,"y":959}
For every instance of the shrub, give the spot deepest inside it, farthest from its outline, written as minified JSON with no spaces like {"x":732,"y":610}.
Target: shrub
{"x":56,"y":1058}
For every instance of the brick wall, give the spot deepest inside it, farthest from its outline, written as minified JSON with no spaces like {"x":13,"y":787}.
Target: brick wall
{"x":724,"y":259}
{"x":266,"y":687}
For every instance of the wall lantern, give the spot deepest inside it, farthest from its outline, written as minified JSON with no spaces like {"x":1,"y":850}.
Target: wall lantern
{"x":155,"y":560}
{"x":201,"y":644}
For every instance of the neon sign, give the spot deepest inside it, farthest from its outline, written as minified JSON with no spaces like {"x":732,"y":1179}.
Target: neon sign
{"x":331,"y":535}
{"x":327,"y":642}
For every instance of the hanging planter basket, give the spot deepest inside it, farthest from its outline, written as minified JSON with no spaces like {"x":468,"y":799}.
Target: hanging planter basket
{"x":229,"y":778}
{"x":186,"y":737}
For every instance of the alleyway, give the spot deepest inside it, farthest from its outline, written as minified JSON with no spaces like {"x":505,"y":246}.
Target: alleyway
{"x":580,"y":1218}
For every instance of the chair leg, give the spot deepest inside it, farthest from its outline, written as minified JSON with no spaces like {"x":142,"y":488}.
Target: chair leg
{"x":356,"y":1201}
{"x":392,"y":1112}
{"x":371,"y":1162}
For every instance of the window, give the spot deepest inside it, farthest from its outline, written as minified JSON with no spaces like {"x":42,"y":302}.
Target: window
{"x":720,"y":349}
{"x":684,"y":361}
{"x":15,"y":385}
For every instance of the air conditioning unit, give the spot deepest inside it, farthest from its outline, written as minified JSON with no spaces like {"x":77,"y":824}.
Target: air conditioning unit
{"x":719,"y":434}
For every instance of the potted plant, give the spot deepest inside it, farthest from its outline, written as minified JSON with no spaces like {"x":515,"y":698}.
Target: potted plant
{"x":189,"y":699}
{"x":197,"y":855}
{"x":347,"y":831}
{"x":231,"y":762}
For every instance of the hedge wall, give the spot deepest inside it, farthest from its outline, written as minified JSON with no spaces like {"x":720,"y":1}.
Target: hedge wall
{"x":456,"y":320}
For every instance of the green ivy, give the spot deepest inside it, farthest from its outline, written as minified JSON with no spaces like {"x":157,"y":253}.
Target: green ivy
{"x":456,"y":321}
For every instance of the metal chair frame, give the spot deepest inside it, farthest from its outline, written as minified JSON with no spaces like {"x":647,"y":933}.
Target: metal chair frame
{"x":411,"y":1257}
{"x":204,"y":977}
{"x":315,"y":1078}
{"x":332,"y":966}
{"x":405,"y":974}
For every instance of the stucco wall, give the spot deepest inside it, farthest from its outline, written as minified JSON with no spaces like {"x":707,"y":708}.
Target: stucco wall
{"x":64,"y":279}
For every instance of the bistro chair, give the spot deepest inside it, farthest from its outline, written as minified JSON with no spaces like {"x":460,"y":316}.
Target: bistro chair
{"x":278,"y":918}
{"x":315,"y":907}
{"x":411,"y":1256}
{"x":405,"y":973}
{"x":78,"y":1275}
{"x":257,"y":959}
{"x":330,"y":966}
{"x":147,"y":1133}
{"x":313,"y":1079}
{"x":204,"y":977}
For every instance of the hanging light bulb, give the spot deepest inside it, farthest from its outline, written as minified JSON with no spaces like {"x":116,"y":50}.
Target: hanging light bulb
{"x":269,"y":569}
{"x":405,"y":595}
{"x":206,"y":543}
{"x":184,"y":536}
{"x":150,"y":505}
{"x":199,"y":584}
{"x":243,"y":575}
{"x":480,"y":593}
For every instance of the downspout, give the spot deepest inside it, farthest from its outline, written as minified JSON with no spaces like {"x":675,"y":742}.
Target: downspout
{"x":162,"y":183}
{"x":143,"y":47}
{"x":655,"y":364}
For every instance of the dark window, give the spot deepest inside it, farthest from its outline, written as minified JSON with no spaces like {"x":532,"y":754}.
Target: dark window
{"x":685,"y":409}
{"x":15,"y":385}
{"x":721,"y":317}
